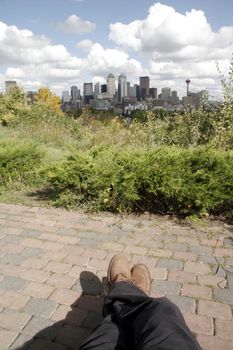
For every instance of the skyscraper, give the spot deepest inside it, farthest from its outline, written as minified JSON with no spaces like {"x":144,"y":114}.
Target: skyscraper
{"x":111,"y":85}
{"x":122,"y":87}
{"x":75,"y":94}
{"x":165,"y":94}
{"x":65,"y":96}
{"x":144,"y":83}
{"x":88,"y":93}
{"x":10,"y":84}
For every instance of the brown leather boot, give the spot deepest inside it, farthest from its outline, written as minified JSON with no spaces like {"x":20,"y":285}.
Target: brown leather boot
{"x":140,"y":275}
{"x":118,"y":270}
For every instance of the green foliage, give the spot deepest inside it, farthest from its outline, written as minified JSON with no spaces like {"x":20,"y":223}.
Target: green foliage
{"x":18,"y":163}
{"x":168,"y":179}
{"x":11,"y":106}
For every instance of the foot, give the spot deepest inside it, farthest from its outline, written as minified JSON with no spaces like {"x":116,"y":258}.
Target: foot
{"x":118,"y":271}
{"x":140,"y":275}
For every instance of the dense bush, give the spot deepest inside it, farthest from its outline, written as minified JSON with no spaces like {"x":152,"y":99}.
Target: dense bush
{"x":18,"y":163}
{"x":166,"y":179}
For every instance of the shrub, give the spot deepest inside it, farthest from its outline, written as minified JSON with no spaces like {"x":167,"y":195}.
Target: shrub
{"x":168,"y":179}
{"x":18,"y":163}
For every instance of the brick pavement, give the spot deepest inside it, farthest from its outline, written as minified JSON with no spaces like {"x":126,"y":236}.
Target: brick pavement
{"x":53,"y":264}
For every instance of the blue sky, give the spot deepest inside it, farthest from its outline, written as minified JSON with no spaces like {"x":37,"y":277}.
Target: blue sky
{"x":42,"y":18}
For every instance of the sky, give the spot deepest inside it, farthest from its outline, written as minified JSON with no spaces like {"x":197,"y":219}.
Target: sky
{"x":67,"y":42}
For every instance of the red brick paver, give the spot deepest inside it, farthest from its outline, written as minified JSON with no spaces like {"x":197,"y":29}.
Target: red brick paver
{"x":53,"y":264}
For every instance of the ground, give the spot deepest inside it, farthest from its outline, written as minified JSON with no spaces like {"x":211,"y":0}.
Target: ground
{"x":53,"y":264}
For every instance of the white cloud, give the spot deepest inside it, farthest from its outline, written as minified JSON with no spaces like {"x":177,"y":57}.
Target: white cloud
{"x":177,"y":45}
{"x":14,"y":73}
{"x":85,"y":44}
{"x":75,"y":24}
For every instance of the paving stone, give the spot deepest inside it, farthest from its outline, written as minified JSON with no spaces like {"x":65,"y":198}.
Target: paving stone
{"x":64,"y":296}
{"x":186,"y":256}
{"x":207,"y":259}
{"x":135,"y":250}
{"x":213,"y":309}
{"x":149,"y":261}
{"x":224,"y":329}
{"x":30,"y":233}
{"x":11,"y":239}
{"x":31,"y":252}
{"x":223,"y":295}
{"x":13,"y":320}
{"x":35,"y":262}
{"x":39,"y":324}
{"x":22,"y":342}
{"x":112,"y":246}
{"x":12,"y":259}
{"x":177,"y":247}
{"x":84,"y":242}
{"x":40,"y":307}
{"x":158,"y":273}
{"x":13,"y":300}
{"x":170,"y":264}
{"x":194,"y":267}
{"x":147,"y":243}
{"x":91,"y":303}
{"x":38,"y":290}
{"x":166,"y":287}
{"x":61,"y":281}
{"x":93,"y":320}
{"x":209,"y":342}
{"x":7,"y":337}
{"x":12,"y":283}
{"x":72,"y":336}
{"x":34,"y":275}
{"x":61,"y":313}
{"x":76,"y":316}
{"x":200,"y":324}
{"x":57,"y":267}
{"x":221,"y":252}
{"x":186,"y":304}
{"x":194,"y":291}
{"x":200,"y":250}
{"x":209,"y":280}
{"x":163,"y":253}
{"x":181,"y":276}
{"x":90,"y":287}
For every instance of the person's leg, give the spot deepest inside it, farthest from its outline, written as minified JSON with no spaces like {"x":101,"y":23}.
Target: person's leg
{"x":107,"y":336}
{"x":151,"y":323}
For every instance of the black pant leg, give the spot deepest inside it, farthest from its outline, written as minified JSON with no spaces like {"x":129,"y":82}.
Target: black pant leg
{"x":161,"y":326}
{"x":150,"y":323}
{"x":107,"y":336}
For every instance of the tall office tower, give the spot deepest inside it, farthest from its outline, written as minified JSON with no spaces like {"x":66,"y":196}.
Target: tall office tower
{"x":165,"y":94}
{"x":144,"y":83}
{"x":74,"y":94}
{"x":65,"y":96}
{"x":10,"y":84}
{"x":88,"y":93}
{"x":97,"y":89}
{"x":153,"y":92}
{"x":174,"y":98}
{"x":103,"y":88}
{"x":111,"y":85}
{"x":128,"y":88}
{"x":122,"y":87}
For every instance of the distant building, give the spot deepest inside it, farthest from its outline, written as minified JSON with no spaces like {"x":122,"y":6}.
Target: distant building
{"x":153,"y":92}
{"x":111,"y":85}
{"x":103,"y":88}
{"x":75,"y":94}
{"x":144,"y":86}
{"x":166,"y":94}
{"x":122,"y":87}
{"x":88,"y":93}
{"x":10,"y":84}
{"x":174,"y":98}
{"x":65,"y":96}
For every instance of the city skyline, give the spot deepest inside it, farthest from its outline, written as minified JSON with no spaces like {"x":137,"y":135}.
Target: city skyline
{"x":73,"y":42}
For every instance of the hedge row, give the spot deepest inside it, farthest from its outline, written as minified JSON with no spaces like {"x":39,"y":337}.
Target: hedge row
{"x":167,"y":179}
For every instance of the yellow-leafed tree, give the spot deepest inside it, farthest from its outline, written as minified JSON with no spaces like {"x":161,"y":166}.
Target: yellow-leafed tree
{"x":47,"y":97}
